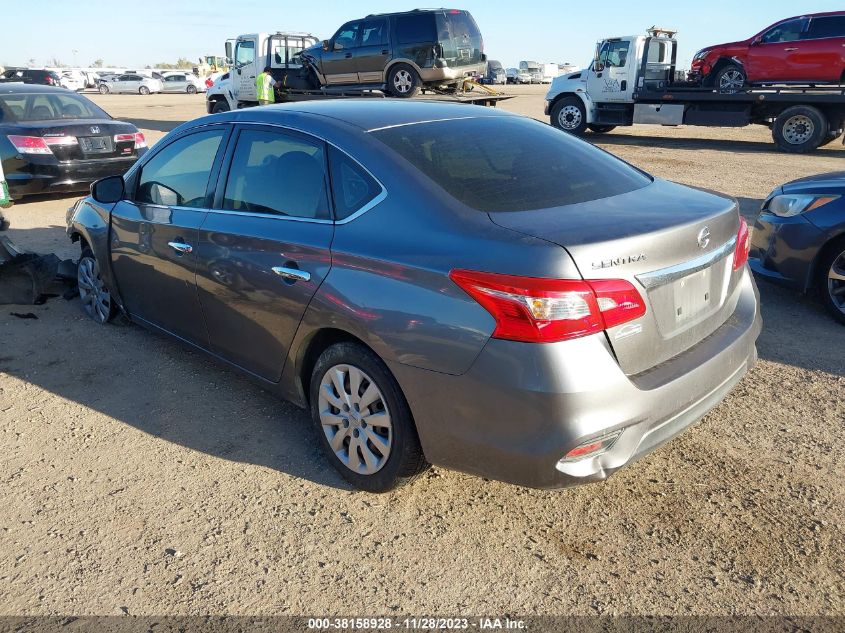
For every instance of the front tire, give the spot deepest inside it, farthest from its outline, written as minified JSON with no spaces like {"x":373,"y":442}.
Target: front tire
{"x":143,"y":90}
{"x":569,"y":115}
{"x":403,"y":81}
{"x":363,"y":420}
{"x":730,"y":79}
{"x":220,"y":106}
{"x":831,"y":281}
{"x":601,"y":129}
{"x":104,"y":89}
{"x":800,"y":129}
{"x":192,"y":89}
{"x":95,"y":296}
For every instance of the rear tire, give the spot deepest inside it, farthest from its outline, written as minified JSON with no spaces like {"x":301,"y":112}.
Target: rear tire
{"x":800,"y":129}
{"x":104,"y":89}
{"x":220,"y":106}
{"x":730,"y":79}
{"x":831,"y":281}
{"x":403,"y":81}
{"x":569,"y":115}
{"x":192,"y":89}
{"x":143,"y":90}
{"x":601,"y":129}
{"x":363,"y":421}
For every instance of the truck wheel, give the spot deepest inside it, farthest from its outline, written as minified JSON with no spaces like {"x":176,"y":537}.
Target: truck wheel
{"x":601,"y":129}
{"x":220,"y":106}
{"x":730,"y":79}
{"x":800,"y":129}
{"x":831,"y":281}
{"x":569,"y":115}
{"x":403,"y":81}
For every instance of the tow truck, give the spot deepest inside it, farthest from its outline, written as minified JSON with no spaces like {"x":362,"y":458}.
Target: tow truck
{"x":633,"y":80}
{"x":282,"y":52}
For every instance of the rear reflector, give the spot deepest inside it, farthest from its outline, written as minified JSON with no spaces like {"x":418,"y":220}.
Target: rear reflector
{"x":743,"y":245}
{"x":592,"y":447}
{"x":29,"y":144}
{"x":539,"y":310}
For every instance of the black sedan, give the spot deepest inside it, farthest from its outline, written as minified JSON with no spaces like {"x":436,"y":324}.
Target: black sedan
{"x":799,"y":238}
{"x":56,"y":141}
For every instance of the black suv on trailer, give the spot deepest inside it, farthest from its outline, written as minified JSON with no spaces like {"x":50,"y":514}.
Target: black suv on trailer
{"x":401,"y":52}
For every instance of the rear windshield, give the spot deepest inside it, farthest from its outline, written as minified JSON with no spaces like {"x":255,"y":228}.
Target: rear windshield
{"x":15,"y":108}
{"x":511,"y":163}
{"x":459,"y":37}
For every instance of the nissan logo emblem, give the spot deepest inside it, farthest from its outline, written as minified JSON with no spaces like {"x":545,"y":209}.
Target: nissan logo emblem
{"x":704,"y":237}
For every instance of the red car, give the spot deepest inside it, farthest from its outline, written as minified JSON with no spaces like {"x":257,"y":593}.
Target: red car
{"x":805,"y":49}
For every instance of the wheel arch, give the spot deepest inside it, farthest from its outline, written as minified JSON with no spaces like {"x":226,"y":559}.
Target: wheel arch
{"x":721,"y":63}
{"x":837,"y":241}
{"x":401,"y":60}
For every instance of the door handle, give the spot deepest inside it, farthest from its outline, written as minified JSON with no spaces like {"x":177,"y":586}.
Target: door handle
{"x":292,"y":274}
{"x":348,"y":55}
{"x":181,"y":247}
{"x":791,"y":49}
{"x":387,"y":52}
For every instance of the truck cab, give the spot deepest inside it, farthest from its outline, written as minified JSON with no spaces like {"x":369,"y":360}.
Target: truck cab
{"x":250,"y":54}
{"x":603,"y":94}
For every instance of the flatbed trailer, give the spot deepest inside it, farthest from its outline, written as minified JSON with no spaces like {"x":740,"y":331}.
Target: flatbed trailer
{"x":631,"y":81}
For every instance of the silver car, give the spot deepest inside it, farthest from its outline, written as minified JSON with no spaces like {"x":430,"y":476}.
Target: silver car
{"x":436,"y":283}
{"x":135,"y":84}
{"x":182,"y":82}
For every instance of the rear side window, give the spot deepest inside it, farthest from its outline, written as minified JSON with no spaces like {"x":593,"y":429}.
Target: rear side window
{"x":352,"y":187}
{"x":504,"y":163}
{"x":278,"y":174}
{"x":178,"y":174}
{"x":831,"y":26}
{"x":412,"y":29}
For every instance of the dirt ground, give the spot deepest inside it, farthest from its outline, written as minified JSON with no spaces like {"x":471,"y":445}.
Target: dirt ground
{"x":140,"y":477}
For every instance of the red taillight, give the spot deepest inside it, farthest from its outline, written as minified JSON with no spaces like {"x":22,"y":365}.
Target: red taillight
{"x":136,"y":137}
{"x":539,"y":310}
{"x":209,"y":83}
{"x":30,"y":144}
{"x":60,"y":141}
{"x":49,"y":80}
{"x":140,"y":141}
{"x":743,"y":245}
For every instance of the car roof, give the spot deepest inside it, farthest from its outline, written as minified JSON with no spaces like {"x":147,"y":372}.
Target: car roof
{"x":22,"y":88}
{"x":373,"y":113}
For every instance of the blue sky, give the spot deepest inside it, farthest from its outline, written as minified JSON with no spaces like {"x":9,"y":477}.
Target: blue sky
{"x":124,"y":33}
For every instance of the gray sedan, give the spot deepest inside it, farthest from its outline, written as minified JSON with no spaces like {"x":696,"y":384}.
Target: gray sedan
{"x":136,"y":84}
{"x":182,"y":82}
{"x":436,"y":283}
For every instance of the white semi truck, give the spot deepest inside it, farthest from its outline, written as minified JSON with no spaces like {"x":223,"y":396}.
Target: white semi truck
{"x":633,"y":80}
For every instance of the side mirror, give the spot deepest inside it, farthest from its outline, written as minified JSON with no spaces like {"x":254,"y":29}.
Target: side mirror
{"x":108,"y":190}
{"x":598,"y":66}
{"x":756,"y":41}
{"x":229,"y":49}
{"x":325,"y":45}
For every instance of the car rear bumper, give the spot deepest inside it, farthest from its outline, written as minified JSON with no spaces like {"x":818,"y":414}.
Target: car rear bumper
{"x":522,"y":407}
{"x":64,"y":177}
{"x":450,"y":73}
{"x":783,"y":249}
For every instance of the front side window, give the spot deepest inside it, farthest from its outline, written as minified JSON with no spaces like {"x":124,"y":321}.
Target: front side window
{"x":828,"y":26}
{"x":278,"y":174}
{"x":786,"y":32}
{"x":374,"y":33}
{"x":178,"y":174}
{"x":245,"y":54}
{"x":614,"y":54}
{"x":352,"y":187}
{"x":503,"y":163}
{"x":347,"y":36}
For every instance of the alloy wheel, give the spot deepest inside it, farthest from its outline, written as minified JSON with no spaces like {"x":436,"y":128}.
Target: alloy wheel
{"x":731,"y":81}
{"x":836,"y":282}
{"x":798,"y":129}
{"x":403,"y":82}
{"x":95,"y":297}
{"x":355,"y":419}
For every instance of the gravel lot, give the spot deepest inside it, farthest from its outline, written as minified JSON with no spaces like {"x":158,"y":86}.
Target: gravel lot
{"x":140,"y":477}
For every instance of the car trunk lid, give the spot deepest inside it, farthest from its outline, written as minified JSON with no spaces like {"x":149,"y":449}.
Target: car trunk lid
{"x":459,"y":38}
{"x":674,"y":243}
{"x":94,"y":138}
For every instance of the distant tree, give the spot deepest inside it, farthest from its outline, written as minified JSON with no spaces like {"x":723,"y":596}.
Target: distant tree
{"x":97,"y":63}
{"x":31,"y":61}
{"x":55,"y":62}
{"x":180,"y":63}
